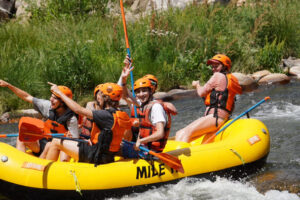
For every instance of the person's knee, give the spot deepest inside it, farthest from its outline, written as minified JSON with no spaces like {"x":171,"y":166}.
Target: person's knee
{"x":179,"y":134}
{"x":55,"y":144}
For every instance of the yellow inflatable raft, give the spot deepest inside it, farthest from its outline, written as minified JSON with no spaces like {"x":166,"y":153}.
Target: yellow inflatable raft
{"x":242,"y":146}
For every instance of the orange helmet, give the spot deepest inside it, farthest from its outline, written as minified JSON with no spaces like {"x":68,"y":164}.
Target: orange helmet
{"x":64,"y":89}
{"x":113,"y":90}
{"x":220,"y":58}
{"x":154,"y":81}
{"x":141,"y":83}
{"x":97,"y":88}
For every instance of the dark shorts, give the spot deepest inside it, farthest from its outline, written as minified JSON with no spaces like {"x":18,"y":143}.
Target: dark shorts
{"x":43,"y":143}
{"x":87,"y":154}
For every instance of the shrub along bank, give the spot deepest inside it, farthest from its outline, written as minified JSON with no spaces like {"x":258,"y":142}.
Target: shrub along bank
{"x":79,"y":45}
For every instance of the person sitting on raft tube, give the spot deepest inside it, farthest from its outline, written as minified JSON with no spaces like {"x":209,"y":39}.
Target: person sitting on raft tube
{"x":219,"y":97}
{"x":109,"y":126}
{"x":86,"y":125}
{"x":154,"y":117}
{"x":59,"y":118}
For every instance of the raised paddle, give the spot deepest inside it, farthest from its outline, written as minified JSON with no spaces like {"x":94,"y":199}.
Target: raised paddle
{"x":128,"y":52}
{"x":244,"y":113}
{"x":168,"y":159}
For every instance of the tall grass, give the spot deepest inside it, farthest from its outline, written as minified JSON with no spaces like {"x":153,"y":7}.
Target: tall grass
{"x":80,"y":46}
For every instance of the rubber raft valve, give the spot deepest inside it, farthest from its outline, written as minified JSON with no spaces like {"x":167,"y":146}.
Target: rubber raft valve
{"x":4,"y":158}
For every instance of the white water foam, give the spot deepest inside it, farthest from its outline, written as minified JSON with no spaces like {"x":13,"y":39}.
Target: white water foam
{"x":202,"y":189}
{"x":277,"y":110}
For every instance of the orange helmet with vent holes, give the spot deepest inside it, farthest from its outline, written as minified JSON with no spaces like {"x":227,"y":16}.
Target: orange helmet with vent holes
{"x":154,"y":81}
{"x":142,"y":83}
{"x":220,"y":58}
{"x":97,"y":88}
{"x":64,"y":89}
{"x":113,"y":90}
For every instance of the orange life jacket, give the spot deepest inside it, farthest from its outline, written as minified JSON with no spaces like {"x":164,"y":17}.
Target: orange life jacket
{"x":55,"y":124}
{"x":121,"y":124}
{"x":224,"y":99}
{"x":146,"y":128}
{"x":86,"y":128}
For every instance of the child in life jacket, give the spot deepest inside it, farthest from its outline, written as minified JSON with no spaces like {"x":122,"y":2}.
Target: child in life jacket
{"x":87,"y":123}
{"x":154,"y":117}
{"x":59,"y":118}
{"x":109,"y":126}
{"x":134,"y":101}
{"x":219,"y":96}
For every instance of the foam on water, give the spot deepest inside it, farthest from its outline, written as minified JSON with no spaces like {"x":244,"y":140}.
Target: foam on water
{"x":277,"y":110}
{"x":203,"y":189}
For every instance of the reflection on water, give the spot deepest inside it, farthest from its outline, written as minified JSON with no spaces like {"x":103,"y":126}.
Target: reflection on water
{"x":282,"y":172}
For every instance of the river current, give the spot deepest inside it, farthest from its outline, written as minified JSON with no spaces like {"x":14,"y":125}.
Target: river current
{"x":279,"y":179}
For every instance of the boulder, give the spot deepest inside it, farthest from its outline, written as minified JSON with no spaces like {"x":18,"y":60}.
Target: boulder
{"x":4,"y":117}
{"x":291,"y":62}
{"x":295,"y":70}
{"x":258,"y":75}
{"x":7,"y":8}
{"x":274,"y":78}
{"x":175,"y":94}
{"x":247,"y":82}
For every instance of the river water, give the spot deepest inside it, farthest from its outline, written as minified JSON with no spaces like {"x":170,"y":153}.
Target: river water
{"x":279,"y":179}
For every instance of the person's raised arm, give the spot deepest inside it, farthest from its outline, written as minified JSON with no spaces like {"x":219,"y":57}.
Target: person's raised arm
{"x":74,"y":106}
{"x":127,"y":95}
{"x":20,"y":93}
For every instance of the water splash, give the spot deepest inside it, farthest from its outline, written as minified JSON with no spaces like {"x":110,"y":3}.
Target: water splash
{"x":203,"y":189}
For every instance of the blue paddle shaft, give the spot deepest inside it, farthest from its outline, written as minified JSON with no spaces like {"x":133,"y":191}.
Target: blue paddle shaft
{"x":141,"y":147}
{"x":16,"y":134}
{"x":132,"y":83}
{"x":244,"y":113}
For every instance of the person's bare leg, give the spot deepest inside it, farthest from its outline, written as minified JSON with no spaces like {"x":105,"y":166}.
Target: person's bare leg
{"x":20,"y":145}
{"x":64,"y":157}
{"x":45,"y":151}
{"x":69,"y":147}
{"x":197,"y":128}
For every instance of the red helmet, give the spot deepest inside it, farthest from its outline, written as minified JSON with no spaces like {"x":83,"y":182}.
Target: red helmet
{"x":64,"y":89}
{"x":113,"y":90}
{"x":220,"y":58}
{"x":154,"y":81}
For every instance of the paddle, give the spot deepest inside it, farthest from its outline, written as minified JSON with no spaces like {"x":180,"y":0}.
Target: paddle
{"x":16,"y":135}
{"x":168,"y":159}
{"x":32,"y":129}
{"x":128,"y":52}
{"x":30,"y":137}
{"x":244,"y":113}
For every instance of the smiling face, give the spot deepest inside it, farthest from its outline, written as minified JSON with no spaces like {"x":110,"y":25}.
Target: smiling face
{"x":55,"y":102}
{"x":143,"y":94}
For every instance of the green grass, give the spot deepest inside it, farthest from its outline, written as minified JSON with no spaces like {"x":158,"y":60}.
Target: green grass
{"x":79,"y":45}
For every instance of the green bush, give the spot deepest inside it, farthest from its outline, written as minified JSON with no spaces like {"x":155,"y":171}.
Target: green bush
{"x":270,"y":56}
{"x":77,"y":44}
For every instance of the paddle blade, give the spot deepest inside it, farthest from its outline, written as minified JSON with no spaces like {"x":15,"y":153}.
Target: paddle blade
{"x":169,"y":160}
{"x":30,"y":129}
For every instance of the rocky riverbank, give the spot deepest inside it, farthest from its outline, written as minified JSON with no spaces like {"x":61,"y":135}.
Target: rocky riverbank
{"x":249,"y":83}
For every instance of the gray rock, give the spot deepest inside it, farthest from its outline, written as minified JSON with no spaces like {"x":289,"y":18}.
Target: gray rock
{"x":258,"y":75}
{"x":247,"y":83}
{"x":274,"y":78}
{"x":291,"y":62}
{"x":295,"y":70}
{"x":4,"y":118}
